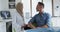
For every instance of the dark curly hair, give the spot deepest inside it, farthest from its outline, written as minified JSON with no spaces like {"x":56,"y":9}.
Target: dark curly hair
{"x":40,"y":3}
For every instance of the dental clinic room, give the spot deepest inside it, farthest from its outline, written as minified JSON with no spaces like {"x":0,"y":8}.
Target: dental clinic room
{"x":29,"y":15}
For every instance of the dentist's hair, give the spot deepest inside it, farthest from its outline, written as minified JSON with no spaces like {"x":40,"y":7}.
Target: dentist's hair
{"x":19,"y":8}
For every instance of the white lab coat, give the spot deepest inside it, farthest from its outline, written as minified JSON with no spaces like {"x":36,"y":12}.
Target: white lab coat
{"x":17,"y":21}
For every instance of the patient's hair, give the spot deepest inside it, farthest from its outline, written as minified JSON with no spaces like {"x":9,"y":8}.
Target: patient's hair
{"x":40,"y":3}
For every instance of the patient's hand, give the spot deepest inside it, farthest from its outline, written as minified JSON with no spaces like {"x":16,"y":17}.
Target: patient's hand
{"x":45,"y":26}
{"x":31,"y":26}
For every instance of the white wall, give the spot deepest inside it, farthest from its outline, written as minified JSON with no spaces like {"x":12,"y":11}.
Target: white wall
{"x":26,"y":10}
{"x":3,"y":5}
{"x":48,"y":6}
{"x":56,"y":21}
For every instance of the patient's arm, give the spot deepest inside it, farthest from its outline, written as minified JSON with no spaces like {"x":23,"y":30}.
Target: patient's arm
{"x":45,"y":26}
{"x":31,"y":26}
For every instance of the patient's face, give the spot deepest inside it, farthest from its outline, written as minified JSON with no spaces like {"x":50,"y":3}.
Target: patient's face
{"x":39,"y":8}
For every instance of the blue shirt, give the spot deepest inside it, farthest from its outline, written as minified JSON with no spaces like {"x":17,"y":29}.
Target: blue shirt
{"x":41,"y":19}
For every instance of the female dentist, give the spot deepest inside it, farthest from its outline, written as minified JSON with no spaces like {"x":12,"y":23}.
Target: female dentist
{"x":18,"y":19}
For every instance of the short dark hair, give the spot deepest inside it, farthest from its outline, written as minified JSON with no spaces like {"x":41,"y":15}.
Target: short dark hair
{"x":40,"y":3}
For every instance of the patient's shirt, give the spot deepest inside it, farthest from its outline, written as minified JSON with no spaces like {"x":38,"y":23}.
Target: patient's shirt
{"x":41,"y":19}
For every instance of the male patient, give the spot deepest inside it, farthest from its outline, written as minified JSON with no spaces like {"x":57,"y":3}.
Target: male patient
{"x":41,"y":19}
